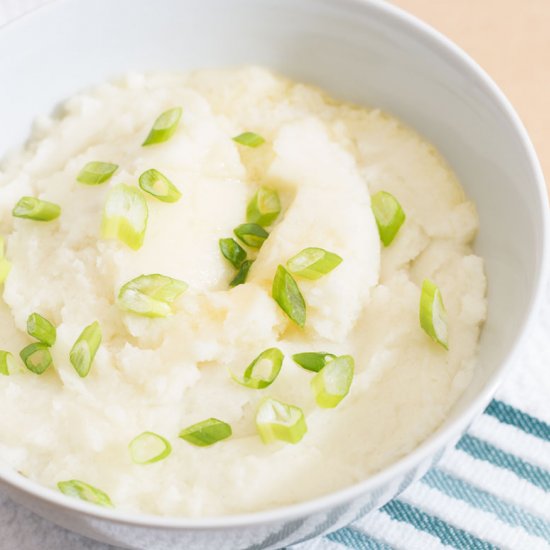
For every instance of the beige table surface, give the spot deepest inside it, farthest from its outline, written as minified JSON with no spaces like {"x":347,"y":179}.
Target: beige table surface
{"x":510,"y":39}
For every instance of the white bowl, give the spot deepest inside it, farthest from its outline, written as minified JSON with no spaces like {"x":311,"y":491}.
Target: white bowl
{"x":367,"y":52}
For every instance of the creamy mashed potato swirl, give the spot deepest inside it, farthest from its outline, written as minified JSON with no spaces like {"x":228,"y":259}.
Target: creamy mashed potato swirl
{"x":325,"y":159}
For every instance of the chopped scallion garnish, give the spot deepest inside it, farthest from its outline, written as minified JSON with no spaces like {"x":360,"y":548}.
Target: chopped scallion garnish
{"x":96,"y":172}
{"x":151,"y":295}
{"x":262,"y":372}
{"x":264,"y":207}
{"x":433,"y":317}
{"x":125,"y":216}
{"x":84,"y":349}
{"x":242,"y":274}
{"x":5,"y":268}
{"x":32,"y":208}
{"x":313,"y":360}
{"x":149,"y":447}
{"x":5,"y":265}
{"x":250,"y":139}
{"x":206,"y":432}
{"x":40,"y":328}
{"x":6,"y":363}
{"x":232,"y":251}
{"x":158,"y":185}
{"x":276,"y":420}
{"x":286,"y":293}
{"x":37,"y":357}
{"x":84,"y":491}
{"x":251,"y":234}
{"x":313,"y":263}
{"x":164,"y":126}
{"x":388,"y":214}
{"x":332,"y":383}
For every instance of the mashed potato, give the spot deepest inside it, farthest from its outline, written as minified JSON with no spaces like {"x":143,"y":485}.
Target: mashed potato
{"x":325,"y":159}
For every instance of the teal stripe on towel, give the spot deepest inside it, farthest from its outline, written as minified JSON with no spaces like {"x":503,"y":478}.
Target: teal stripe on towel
{"x":485,"y":451}
{"x":357,"y":540}
{"x":514,"y":417}
{"x":446,"y":533}
{"x":483,"y":500}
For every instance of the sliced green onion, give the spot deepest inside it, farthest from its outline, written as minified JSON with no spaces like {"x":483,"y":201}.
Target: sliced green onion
{"x":262,"y":372}
{"x":242,"y":274}
{"x":32,"y":208}
{"x":125,"y":216}
{"x":158,"y":185}
{"x":286,"y":293}
{"x":96,"y":172}
{"x":40,"y":328}
{"x":84,"y":349}
{"x":37,"y":357}
{"x":164,"y":126}
{"x":276,"y":420}
{"x":5,"y":265}
{"x":331,"y":384}
{"x":264,"y":207}
{"x":206,"y":432}
{"x":251,"y":234}
{"x":433,"y":317}
{"x":313,"y":263}
{"x":83,"y":491}
{"x":232,"y":251}
{"x":313,"y":360}
{"x":151,"y":295}
{"x":6,"y":363}
{"x":5,"y":268}
{"x":149,"y":447}
{"x":388,"y":214}
{"x":250,"y":139}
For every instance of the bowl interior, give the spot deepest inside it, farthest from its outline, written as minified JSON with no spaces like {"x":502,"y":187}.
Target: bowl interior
{"x":357,"y":51}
